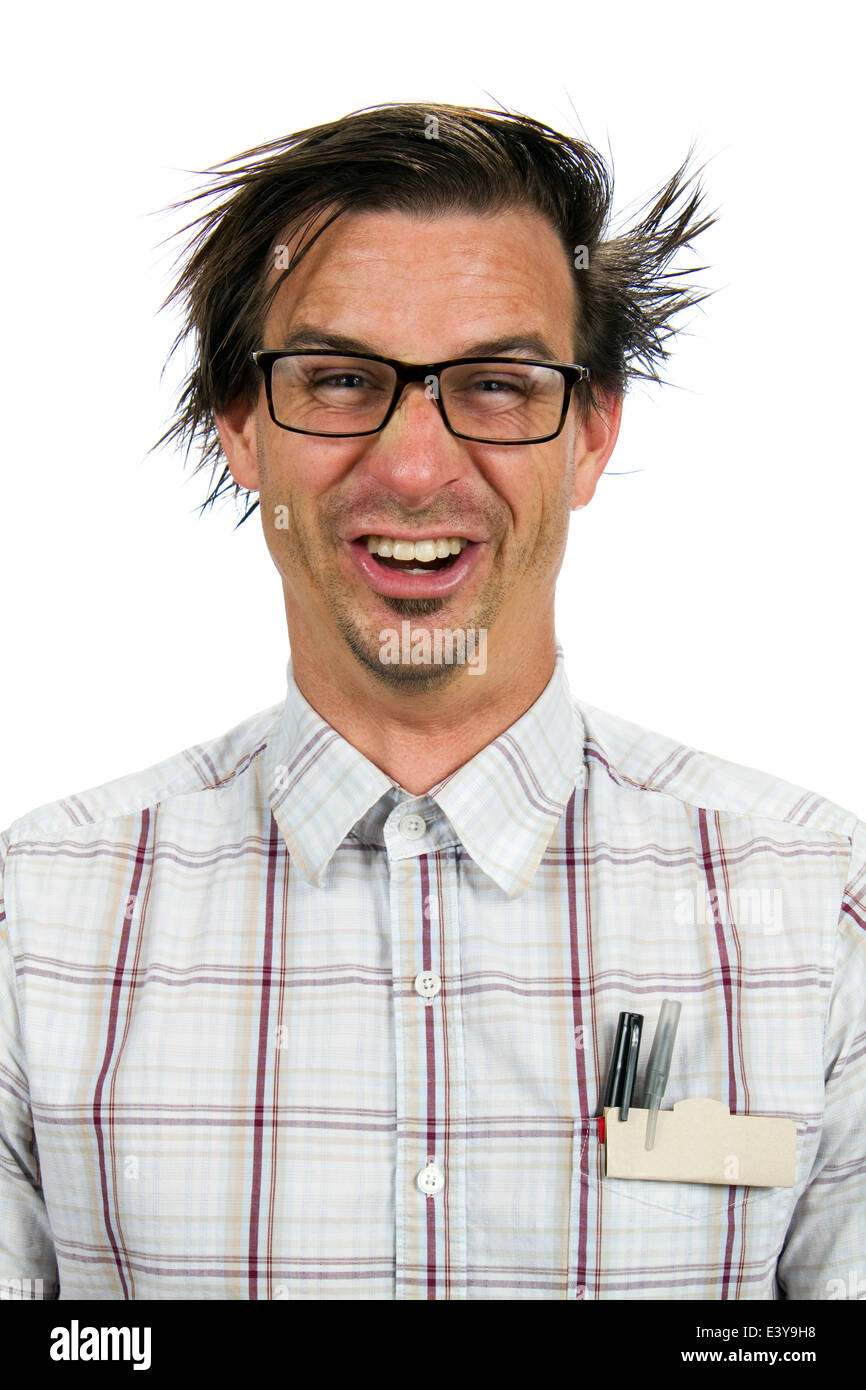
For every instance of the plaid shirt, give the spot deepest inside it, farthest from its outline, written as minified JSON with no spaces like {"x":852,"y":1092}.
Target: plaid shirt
{"x":272,"y":1027}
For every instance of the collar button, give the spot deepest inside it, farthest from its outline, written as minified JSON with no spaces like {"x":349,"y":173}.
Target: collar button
{"x":412,"y":827}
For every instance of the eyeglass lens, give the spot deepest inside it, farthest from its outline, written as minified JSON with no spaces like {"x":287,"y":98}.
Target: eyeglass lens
{"x":351,"y":395}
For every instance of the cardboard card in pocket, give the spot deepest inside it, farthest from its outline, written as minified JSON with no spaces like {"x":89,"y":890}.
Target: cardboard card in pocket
{"x":701,"y":1141}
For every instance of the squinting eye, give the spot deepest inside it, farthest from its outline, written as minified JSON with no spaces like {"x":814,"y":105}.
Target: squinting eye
{"x":338,"y":379}
{"x":499,"y":385}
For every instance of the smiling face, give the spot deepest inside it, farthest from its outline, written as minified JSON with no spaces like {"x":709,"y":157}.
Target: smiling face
{"x":419,"y":290}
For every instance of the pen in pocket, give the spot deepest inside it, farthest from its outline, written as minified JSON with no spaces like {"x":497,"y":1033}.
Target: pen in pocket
{"x":659,"y":1065}
{"x":619,"y":1086}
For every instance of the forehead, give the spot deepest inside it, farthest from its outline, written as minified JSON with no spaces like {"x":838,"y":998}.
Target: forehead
{"x":406,"y":285}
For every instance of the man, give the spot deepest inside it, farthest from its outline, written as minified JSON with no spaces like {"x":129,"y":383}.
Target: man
{"x":323,"y":1008}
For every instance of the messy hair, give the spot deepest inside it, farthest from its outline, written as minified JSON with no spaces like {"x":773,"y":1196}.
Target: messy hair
{"x":425,"y":160}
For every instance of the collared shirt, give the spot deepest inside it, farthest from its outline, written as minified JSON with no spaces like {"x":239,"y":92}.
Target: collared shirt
{"x":272,"y":1027}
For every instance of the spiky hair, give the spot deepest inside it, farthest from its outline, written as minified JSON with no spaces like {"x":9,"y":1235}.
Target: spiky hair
{"x":628,"y":292}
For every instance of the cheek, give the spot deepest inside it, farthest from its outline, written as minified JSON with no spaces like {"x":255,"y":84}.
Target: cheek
{"x":546,"y":512}
{"x":283,"y":507}
{"x":539,"y":494}
{"x":289,"y":485}
{"x":303,"y":469}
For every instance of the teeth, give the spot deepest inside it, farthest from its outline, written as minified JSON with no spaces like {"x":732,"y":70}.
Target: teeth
{"x":425,"y":550}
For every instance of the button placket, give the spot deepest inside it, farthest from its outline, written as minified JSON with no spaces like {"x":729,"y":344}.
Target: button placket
{"x":431,"y":1179}
{"x":430,"y":1238}
{"x":427,"y":985}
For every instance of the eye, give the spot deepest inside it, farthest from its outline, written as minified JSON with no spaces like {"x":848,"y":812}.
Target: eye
{"x":496,"y":385}
{"x":342,"y":380}
{"x":493,"y":379}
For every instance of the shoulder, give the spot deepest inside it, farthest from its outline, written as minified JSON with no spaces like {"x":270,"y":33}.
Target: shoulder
{"x":647,"y":762}
{"x":208,"y":766}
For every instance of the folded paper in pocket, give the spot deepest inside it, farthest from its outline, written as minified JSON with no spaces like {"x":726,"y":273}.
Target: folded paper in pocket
{"x":701,"y":1141}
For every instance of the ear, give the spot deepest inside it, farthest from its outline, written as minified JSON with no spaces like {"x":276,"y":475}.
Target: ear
{"x":594,"y":444}
{"x":237,"y":427}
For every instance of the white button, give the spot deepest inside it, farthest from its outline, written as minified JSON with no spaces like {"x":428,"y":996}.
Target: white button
{"x":413,"y":827}
{"x":427,"y":984}
{"x":431,"y":1180}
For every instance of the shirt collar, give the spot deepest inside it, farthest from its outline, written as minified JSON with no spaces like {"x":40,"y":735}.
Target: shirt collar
{"x":504,"y":804}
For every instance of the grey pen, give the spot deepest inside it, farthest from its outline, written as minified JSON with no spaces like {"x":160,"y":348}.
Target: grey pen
{"x":659,"y":1065}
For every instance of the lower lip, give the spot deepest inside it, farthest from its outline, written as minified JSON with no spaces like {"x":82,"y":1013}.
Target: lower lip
{"x":401,"y":584}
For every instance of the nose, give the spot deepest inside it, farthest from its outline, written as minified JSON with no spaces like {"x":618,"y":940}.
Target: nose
{"x":415,"y":455}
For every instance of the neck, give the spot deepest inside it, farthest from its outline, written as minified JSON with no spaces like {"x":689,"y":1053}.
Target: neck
{"x":419,"y":737}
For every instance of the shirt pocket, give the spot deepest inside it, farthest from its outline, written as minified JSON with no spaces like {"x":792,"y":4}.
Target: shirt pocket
{"x":630,"y":1238}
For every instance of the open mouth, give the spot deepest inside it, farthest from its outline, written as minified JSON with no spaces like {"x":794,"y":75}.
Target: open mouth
{"x":426,"y":567}
{"x":415,"y":557}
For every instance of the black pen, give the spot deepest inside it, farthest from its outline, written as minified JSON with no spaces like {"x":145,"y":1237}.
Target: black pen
{"x":634,"y":1029}
{"x":617,"y":1062}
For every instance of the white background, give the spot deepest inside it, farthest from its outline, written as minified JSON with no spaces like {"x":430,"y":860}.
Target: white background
{"x":716,"y":594}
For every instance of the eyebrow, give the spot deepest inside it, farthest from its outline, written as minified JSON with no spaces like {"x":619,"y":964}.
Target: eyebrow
{"x":529,"y":344}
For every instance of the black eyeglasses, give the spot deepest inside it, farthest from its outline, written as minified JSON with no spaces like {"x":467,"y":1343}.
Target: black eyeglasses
{"x":490,"y":400}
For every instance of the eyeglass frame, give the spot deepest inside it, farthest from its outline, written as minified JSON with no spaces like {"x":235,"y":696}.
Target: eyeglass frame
{"x":409,"y":372}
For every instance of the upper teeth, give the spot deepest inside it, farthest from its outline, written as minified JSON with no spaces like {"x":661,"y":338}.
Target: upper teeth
{"x":415,"y":550}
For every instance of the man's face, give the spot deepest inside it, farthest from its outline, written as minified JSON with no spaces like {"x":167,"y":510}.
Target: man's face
{"x":420,"y":291}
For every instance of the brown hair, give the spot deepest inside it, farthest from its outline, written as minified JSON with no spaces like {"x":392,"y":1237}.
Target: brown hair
{"x":426,"y":159}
